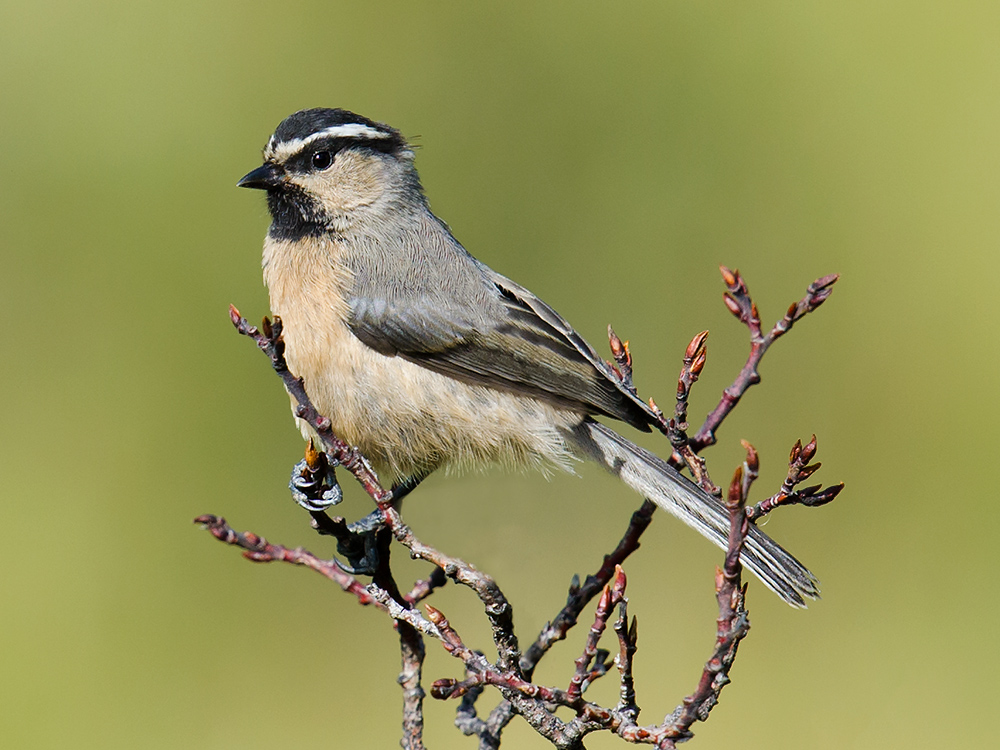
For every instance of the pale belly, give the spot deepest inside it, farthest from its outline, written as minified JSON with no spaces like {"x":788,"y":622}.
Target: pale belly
{"x":407,"y":419}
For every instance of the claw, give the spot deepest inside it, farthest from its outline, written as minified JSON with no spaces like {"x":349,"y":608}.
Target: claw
{"x":315,"y":487}
{"x":359,"y":544}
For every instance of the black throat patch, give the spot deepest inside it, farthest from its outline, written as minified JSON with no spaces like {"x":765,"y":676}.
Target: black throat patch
{"x":294,"y":215}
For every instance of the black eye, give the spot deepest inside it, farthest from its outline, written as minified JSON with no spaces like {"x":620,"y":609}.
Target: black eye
{"x":322,"y":159}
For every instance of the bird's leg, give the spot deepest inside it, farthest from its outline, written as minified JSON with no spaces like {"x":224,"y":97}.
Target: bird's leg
{"x":355,"y":541}
{"x":404,"y":487}
{"x":358,"y":545}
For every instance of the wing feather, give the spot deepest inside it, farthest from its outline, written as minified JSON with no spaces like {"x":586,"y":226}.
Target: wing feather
{"x":502,"y":336}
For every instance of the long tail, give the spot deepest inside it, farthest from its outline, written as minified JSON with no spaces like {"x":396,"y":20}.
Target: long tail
{"x":653,"y":478}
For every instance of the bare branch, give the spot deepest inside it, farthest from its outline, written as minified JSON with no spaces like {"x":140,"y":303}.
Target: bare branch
{"x":424,"y":588}
{"x":259,"y":549}
{"x":411,"y":647}
{"x":610,"y":597}
{"x":623,"y":359}
{"x":799,"y":470}
{"x":368,"y":543}
{"x":581,"y":595}
{"x":628,"y":637}
{"x":737,"y":299}
{"x":694,"y":363}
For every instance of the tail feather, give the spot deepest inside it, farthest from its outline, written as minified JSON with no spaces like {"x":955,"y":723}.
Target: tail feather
{"x":653,"y":478}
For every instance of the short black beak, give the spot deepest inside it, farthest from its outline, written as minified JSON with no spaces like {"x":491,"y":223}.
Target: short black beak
{"x":266,"y":177}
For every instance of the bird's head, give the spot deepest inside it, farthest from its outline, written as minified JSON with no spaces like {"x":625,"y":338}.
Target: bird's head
{"x":325,"y":168}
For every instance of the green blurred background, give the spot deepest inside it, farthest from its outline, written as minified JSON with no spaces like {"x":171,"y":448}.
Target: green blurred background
{"x":608,"y":156}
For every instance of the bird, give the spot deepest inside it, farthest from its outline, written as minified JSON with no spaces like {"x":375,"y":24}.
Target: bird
{"x":426,"y":358}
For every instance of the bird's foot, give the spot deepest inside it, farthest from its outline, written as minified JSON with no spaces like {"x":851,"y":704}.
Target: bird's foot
{"x":356,"y":542}
{"x":314,"y":483}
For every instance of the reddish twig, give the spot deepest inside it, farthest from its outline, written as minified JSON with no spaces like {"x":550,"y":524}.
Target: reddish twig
{"x":484,"y":673}
{"x":556,"y":630}
{"x":799,"y":470}
{"x":259,"y":549}
{"x":732,"y":624}
{"x":737,"y":299}
{"x":425,"y":587}
{"x":628,"y":637}
{"x":732,"y":627}
{"x":676,"y":431}
{"x":528,"y":699}
{"x":581,"y":595}
{"x":623,"y":360}
{"x":610,"y":598}
{"x":498,"y":609}
{"x":270,"y":342}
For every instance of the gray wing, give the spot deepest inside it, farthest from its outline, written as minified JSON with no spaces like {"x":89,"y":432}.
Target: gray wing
{"x":484,"y":329}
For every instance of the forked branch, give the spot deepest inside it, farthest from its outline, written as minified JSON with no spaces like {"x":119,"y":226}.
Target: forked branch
{"x":512,"y":673}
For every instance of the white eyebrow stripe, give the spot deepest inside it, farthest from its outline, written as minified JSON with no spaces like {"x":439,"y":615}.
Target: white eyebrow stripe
{"x":282,"y":151}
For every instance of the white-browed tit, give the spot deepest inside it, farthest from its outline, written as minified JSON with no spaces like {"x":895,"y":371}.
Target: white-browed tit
{"x":424,"y":357}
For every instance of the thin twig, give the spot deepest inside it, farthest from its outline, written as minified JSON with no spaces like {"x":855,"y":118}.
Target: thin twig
{"x":799,"y":470}
{"x":628,"y":637}
{"x":676,"y":430}
{"x":259,"y":549}
{"x":610,"y":597}
{"x":581,"y":595}
{"x":425,"y":587}
{"x":411,"y":647}
{"x":737,"y":299}
{"x":732,"y":625}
